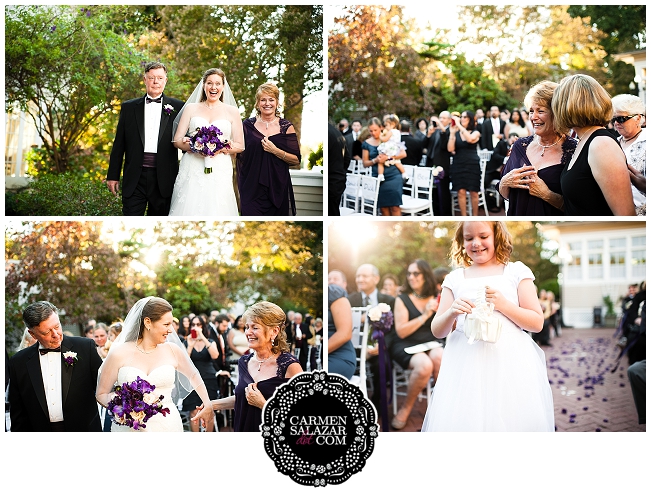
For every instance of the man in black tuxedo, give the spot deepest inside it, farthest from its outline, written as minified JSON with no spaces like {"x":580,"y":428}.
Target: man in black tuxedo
{"x":356,"y":129}
{"x":367,"y":278}
{"x":414,"y":145}
{"x":492,"y":126}
{"x":302,"y":334}
{"x":344,"y":127}
{"x":438,"y":155}
{"x":46,"y":393}
{"x":144,"y":141}
{"x":338,"y":162}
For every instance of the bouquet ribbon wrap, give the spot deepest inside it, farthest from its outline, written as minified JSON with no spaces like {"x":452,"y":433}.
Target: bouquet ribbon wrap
{"x":381,"y":319}
{"x":482,"y":324}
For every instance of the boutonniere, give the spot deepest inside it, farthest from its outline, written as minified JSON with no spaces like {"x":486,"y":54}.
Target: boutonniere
{"x":70,"y":358}
{"x":168,"y":109}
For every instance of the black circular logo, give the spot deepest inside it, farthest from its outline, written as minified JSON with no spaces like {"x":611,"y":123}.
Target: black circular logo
{"x":318,"y":428}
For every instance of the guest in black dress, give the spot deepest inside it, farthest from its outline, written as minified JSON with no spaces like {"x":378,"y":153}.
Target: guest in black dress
{"x":262,"y":371}
{"x":465,"y":171}
{"x":414,"y":309}
{"x":202,"y":352}
{"x":596,"y":182}
{"x":531,"y":179}
{"x":271,"y":149}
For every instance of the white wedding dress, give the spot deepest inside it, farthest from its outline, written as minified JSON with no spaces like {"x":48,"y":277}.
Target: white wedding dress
{"x":199,"y":194}
{"x":162,"y":378}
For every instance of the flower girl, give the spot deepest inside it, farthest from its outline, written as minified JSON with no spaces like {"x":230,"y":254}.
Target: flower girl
{"x":493,"y":376}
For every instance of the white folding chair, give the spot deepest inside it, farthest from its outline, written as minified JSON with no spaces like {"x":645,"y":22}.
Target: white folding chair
{"x":408,"y":187}
{"x":484,"y":157}
{"x":401,"y":384}
{"x":360,"y":342}
{"x":350,"y":199}
{"x":421,"y":199}
{"x":369,"y":191}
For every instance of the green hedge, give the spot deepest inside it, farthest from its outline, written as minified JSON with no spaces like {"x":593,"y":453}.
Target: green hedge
{"x":63,"y":195}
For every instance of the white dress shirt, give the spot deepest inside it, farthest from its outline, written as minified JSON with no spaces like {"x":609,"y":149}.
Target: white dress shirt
{"x":495,"y":121}
{"x":372,"y":298}
{"x":51,"y":371}
{"x":153,"y":113}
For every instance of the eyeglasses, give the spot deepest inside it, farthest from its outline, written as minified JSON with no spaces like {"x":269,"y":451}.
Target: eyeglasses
{"x":622,"y":119}
{"x":415,"y":273}
{"x":196,"y":324}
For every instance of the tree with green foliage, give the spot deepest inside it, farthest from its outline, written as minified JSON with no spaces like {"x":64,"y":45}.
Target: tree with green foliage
{"x":66,"y":263}
{"x":251,"y":44}
{"x":372,"y":64}
{"x":66,"y":67}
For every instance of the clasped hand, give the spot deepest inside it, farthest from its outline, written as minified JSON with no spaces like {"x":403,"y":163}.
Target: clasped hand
{"x":519,"y":178}
{"x":253,"y":395}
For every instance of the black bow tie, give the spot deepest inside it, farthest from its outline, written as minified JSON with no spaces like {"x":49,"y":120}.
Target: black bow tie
{"x":149,"y":100}
{"x":45,"y":351}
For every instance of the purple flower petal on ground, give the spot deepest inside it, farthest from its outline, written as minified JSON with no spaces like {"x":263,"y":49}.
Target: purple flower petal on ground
{"x":604,"y":399}
{"x":598,"y":429}
{"x":563,"y":411}
{"x":622,"y":385}
{"x":585,"y":408}
{"x":578,"y":398}
{"x":605,"y":420}
{"x":572,"y":420}
{"x":572,"y":415}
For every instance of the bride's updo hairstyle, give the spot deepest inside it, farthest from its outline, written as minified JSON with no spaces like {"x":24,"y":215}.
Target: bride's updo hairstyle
{"x":268,"y":89}
{"x":208,"y":73}
{"x":269,"y":315}
{"x":155,"y":309}
{"x":501,"y":237}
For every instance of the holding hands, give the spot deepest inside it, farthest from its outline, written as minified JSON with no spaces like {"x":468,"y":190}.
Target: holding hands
{"x":519,"y":178}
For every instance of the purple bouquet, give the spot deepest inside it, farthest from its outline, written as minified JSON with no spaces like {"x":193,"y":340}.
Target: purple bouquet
{"x":206,"y":141}
{"x":134,"y":404}
{"x":380,"y":319}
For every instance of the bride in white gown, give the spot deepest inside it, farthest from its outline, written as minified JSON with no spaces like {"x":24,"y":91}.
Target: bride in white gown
{"x":195,"y":192}
{"x":149,"y":348}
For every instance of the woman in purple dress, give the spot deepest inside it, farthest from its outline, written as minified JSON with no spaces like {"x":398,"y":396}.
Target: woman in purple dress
{"x":262,"y":371}
{"x":541,"y":156}
{"x":271,"y":148}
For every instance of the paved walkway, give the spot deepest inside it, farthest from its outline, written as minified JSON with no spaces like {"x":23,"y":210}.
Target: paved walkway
{"x":587,"y":396}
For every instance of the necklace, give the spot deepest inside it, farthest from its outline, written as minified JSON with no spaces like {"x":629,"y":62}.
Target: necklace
{"x":261,"y":362}
{"x":268,"y":122}
{"x":545,"y":147}
{"x":144,"y":351}
{"x":211,"y":108}
{"x":418,"y":296}
{"x":633,"y":138}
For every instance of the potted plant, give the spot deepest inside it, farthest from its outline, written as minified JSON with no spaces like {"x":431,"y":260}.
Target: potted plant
{"x":610,"y":320}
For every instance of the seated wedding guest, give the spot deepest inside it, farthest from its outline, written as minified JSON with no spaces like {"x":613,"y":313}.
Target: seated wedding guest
{"x":263,"y":370}
{"x":271,"y":150}
{"x":26,"y":341}
{"x":531,"y":178}
{"x":336,"y":277}
{"x":390,"y":285}
{"x":596,"y":182}
{"x":367,"y":278}
{"x":203,"y":352}
{"x":341,"y":352}
{"x":414,"y":310}
{"x":628,"y":119}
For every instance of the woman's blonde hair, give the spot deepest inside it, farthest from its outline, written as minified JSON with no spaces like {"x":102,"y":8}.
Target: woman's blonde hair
{"x":579,"y":101}
{"x":501,"y":237}
{"x":270,"y":315}
{"x":267,"y":89}
{"x":542,"y":94}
